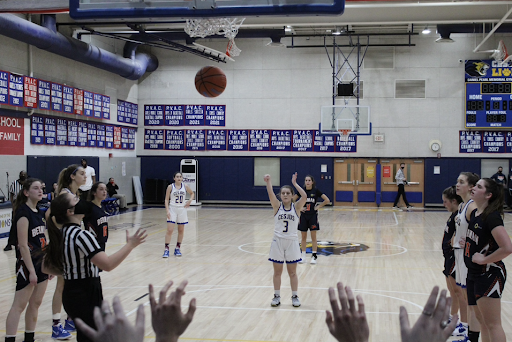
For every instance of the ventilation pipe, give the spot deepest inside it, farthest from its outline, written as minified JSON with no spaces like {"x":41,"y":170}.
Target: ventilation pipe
{"x":47,"y":38}
{"x":444,"y":30}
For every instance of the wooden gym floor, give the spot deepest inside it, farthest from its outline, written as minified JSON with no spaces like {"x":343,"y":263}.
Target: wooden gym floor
{"x":225,"y":261}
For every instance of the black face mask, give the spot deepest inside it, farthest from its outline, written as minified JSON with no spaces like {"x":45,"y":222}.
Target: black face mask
{"x":402,"y":167}
{"x":81,"y":208}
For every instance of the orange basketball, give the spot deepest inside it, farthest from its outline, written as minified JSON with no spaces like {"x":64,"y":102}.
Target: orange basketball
{"x":210,"y":81}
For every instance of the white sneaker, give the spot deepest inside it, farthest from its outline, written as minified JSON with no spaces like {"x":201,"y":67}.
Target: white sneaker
{"x":303,"y":256}
{"x":460,"y":330}
{"x":313,"y":260}
{"x":276,"y":300}
{"x":295,"y":301}
{"x":395,"y":207}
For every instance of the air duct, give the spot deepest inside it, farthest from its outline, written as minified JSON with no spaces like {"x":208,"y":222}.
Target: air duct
{"x":445,"y":30}
{"x":47,"y":38}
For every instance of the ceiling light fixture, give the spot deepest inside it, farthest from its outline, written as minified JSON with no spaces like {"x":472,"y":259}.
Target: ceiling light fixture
{"x":288,"y":28}
{"x":337,"y":31}
{"x":276,"y":42}
{"x":426,"y":30}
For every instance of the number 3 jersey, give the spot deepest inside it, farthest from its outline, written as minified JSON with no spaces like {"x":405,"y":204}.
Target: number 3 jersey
{"x":178,"y":196}
{"x":286,"y":222}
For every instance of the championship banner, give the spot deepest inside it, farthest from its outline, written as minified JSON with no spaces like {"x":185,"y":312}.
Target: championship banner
{"x":4,"y":87}
{"x":117,"y":137}
{"x":37,"y":130}
{"x":30,"y":92}
{"x":45,"y":94}
{"x":16,"y":90}
{"x":56,"y":94}
{"x":68,"y":94}
{"x":174,"y":140}
{"x":11,"y":136}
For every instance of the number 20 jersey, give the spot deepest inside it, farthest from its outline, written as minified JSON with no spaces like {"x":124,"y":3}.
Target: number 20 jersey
{"x":286,"y":222}
{"x":178,"y":196}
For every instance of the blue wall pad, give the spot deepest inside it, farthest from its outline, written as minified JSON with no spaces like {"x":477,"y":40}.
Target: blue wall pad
{"x":344,"y":196}
{"x":366,"y":196}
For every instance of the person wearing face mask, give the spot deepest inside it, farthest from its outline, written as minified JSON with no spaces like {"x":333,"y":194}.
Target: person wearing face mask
{"x":14,"y":189}
{"x":401,"y":181}
{"x":500,"y":179}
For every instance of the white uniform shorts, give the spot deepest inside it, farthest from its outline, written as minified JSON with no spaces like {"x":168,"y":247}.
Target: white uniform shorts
{"x":461,"y":271}
{"x":178,"y":215}
{"x":284,"y":250}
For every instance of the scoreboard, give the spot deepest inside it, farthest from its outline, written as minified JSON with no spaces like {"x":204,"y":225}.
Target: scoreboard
{"x":488,"y":94}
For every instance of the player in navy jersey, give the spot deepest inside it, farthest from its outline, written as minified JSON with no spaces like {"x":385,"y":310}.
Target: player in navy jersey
{"x":487,"y":244}
{"x":76,"y":254}
{"x":285,"y":244}
{"x":309,"y":216}
{"x":31,"y":282}
{"x":96,"y":218}
{"x":451,"y":202}
{"x":176,"y":208}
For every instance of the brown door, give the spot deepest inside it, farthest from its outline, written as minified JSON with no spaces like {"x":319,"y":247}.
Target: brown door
{"x":414,"y":173}
{"x":355,"y":182}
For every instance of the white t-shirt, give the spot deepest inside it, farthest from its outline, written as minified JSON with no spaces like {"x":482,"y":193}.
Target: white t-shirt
{"x":89,"y":172}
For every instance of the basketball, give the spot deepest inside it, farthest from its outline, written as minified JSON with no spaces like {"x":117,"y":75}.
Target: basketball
{"x":210,"y":81}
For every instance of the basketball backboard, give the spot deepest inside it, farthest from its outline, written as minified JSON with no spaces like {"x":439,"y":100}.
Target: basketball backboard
{"x":334,"y":119}
{"x":127,"y":9}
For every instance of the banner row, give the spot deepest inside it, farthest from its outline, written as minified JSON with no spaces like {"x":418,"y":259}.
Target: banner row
{"x":485,"y":142}
{"x":246,"y":140}
{"x":185,"y":115}
{"x":65,"y":132}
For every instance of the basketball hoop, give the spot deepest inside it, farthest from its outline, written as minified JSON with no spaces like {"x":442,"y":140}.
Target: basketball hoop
{"x":344,"y":134}
{"x":501,"y":53}
{"x":228,"y":27}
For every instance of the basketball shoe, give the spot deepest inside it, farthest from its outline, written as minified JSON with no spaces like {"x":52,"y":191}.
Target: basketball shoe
{"x":295,"y":301}
{"x":166,"y":254}
{"x":313,"y":260}
{"x":303,"y":256}
{"x":460,"y":330}
{"x":276,"y":300}
{"x":69,"y":325}
{"x":59,"y":333}
{"x":177,"y":252}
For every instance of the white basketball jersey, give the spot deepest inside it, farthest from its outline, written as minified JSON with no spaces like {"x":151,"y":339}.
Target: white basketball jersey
{"x":178,"y":196}
{"x":286,"y":223}
{"x":461,"y":225}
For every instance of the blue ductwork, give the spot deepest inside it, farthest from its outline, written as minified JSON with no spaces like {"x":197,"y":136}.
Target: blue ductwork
{"x":47,"y":38}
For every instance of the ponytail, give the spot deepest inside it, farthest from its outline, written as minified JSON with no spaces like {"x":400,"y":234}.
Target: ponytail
{"x":54,"y":251}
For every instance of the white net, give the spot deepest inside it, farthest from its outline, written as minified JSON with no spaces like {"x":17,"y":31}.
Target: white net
{"x":232,"y":50}
{"x":228,"y":27}
{"x":344,"y":134}
{"x":501,"y":53}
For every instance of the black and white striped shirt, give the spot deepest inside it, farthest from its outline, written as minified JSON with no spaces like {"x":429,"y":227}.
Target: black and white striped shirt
{"x":79,"y":248}
{"x":15,"y":188}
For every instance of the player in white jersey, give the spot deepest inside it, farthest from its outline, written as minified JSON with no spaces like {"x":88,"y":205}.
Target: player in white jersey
{"x":285,"y":244}
{"x":176,"y":208}
{"x":465,"y":183}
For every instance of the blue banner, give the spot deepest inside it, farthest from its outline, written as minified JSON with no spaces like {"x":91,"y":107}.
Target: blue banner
{"x":302,"y":140}
{"x":37,"y":130}
{"x":121,"y":109}
{"x":174,"y":115}
{"x":50,"y":128}
{"x":16,"y":90}
{"x":215,"y":115}
{"x":259,"y":140}
{"x":109,"y":136}
{"x":105,"y":105}
{"x":153,"y":139}
{"x":324,"y":143}
{"x":45,"y":93}
{"x":215,"y":140}
{"x":281,"y":140}
{"x":470,"y":142}
{"x":4,"y":87}
{"x":153,"y":115}
{"x":100,"y":136}
{"x":56,"y":97}
{"x":493,"y":142}
{"x":124,"y":138}
{"x":194,"y":115}
{"x":72,"y":133}
{"x":97,"y":107}
{"x":67,"y":99}
{"x":88,"y":103}
{"x":82,"y":134}
{"x":175,"y":140}
{"x":349,"y":145}
{"x":91,"y":135}
{"x":135,"y":114}
{"x":131,"y":138}
{"x":195,"y":140}
{"x":62,"y":132}
{"x":238,"y":140}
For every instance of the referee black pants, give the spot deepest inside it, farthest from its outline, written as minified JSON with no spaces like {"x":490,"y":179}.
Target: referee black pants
{"x":401,"y":192}
{"x":79,"y":299}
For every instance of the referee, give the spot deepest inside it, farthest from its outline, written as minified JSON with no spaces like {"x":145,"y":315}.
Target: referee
{"x":76,"y":254}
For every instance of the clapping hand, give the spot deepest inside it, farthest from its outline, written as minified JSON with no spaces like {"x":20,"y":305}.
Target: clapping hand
{"x":347,"y":324}
{"x":114,"y":327}
{"x":432,"y":325}
{"x":168,"y":320}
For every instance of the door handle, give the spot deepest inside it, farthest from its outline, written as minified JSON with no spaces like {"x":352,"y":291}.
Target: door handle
{"x":413,"y":183}
{"x":366,"y":183}
{"x":345,"y":182}
{"x":353,"y":182}
{"x":357,"y":182}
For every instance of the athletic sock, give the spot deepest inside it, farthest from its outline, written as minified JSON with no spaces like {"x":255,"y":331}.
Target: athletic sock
{"x":167,"y":246}
{"x":474,"y":335}
{"x":277,"y":293}
{"x":178,"y":244}
{"x":295,"y":293}
{"x":314,"y":253}
{"x":10,"y":338}
{"x":29,"y":336}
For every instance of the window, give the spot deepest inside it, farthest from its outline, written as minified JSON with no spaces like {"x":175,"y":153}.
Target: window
{"x":263,"y":166}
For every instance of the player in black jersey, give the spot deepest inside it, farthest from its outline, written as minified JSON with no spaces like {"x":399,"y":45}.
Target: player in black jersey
{"x":31,"y":282}
{"x":487,"y":244}
{"x":96,"y":218}
{"x":451,"y":202}
{"x":309,"y":217}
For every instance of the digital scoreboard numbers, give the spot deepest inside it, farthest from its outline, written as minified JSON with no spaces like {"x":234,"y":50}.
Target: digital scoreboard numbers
{"x":488,"y":94}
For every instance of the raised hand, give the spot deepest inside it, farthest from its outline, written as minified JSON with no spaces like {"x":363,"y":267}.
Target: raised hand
{"x":137,"y":238}
{"x":432,"y":325}
{"x":168,"y":320}
{"x":294,"y":178}
{"x":266,"y":178}
{"x":347,"y":324}
{"x":114,"y":327}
